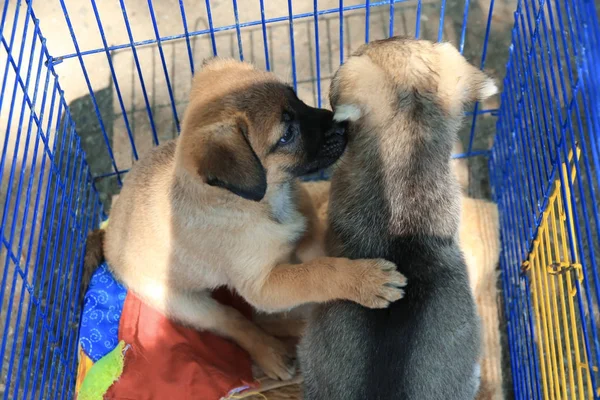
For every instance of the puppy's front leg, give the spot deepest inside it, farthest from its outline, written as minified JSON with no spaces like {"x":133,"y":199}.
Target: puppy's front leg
{"x":372,"y":283}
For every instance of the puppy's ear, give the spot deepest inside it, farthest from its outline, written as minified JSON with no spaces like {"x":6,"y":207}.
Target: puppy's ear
{"x":226,"y":160}
{"x":347,"y":113}
{"x":482,"y":86}
{"x":477,"y":85}
{"x":461,"y":80}
{"x":207,"y":61}
{"x":216,"y":63}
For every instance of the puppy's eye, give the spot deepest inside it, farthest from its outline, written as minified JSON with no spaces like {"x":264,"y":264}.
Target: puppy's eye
{"x":289,"y":135}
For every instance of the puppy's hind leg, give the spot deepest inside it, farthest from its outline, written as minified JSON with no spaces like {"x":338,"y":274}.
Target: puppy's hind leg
{"x":201,"y":311}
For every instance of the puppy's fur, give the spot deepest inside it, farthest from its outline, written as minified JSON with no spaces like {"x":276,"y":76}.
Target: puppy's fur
{"x":220,"y":206}
{"x":94,"y":256}
{"x":394,"y":196}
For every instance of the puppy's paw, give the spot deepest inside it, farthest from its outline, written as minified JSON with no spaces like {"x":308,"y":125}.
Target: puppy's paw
{"x":273,"y":357}
{"x":378,"y":283}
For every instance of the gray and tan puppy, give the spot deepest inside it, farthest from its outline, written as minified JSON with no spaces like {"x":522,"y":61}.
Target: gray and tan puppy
{"x":394,"y":196}
{"x":220,"y":206}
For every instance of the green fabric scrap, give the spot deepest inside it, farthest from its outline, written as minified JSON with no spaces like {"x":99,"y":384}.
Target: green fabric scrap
{"x":103,"y":374}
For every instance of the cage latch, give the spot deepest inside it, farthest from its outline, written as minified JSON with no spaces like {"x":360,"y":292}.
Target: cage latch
{"x":564,"y":267}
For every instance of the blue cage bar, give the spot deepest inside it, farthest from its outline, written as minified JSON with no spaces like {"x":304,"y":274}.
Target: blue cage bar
{"x":89,"y":86}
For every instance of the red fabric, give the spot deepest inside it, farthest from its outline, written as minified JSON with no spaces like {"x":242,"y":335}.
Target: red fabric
{"x":169,"y":361}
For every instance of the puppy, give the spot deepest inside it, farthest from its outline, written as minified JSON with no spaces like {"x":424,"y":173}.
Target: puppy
{"x":394,"y":196}
{"x":220,"y":206}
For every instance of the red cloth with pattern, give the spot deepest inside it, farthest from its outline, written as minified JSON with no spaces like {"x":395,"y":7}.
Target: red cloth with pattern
{"x":170,"y":361}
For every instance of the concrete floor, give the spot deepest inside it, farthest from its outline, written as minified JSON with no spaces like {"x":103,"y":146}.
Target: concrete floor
{"x":126,"y":76}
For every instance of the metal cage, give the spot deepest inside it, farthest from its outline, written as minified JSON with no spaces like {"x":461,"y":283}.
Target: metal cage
{"x":87,"y":87}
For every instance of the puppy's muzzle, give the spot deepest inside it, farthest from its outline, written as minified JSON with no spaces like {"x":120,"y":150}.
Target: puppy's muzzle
{"x":335,"y":143}
{"x":331,"y":149}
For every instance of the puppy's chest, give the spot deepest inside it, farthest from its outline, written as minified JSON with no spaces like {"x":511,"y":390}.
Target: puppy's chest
{"x":284,"y":213}
{"x":288,"y":231}
{"x":268,"y":243}
{"x":282,"y":205}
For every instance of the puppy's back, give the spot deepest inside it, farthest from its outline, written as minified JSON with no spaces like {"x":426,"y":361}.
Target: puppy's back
{"x":394,"y":197}
{"x":140,"y":208}
{"x":422,"y":347}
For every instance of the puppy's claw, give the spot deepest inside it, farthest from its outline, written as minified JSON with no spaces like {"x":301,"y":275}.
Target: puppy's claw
{"x":398,"y":279}
{"x":380,"y":284}
{"x":394,"y":285}
{"x":394,"y":294}
{"x":381,"y":302}
{"x":285,"y":371}
{"x":386,"y":265}
{"x":274,"y":360}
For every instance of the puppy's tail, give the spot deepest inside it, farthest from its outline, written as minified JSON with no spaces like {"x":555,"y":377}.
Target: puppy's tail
{"x":94,"y":256}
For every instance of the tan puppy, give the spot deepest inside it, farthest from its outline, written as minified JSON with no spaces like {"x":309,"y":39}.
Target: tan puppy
{"x":220,"y":206}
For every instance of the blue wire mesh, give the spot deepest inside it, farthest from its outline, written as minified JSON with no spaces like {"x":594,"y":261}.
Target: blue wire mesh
{"x":549,"y":108}
{"x":53,"y":193}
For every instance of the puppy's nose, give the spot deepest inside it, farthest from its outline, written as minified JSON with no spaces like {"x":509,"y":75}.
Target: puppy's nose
{"x":339,"y":129}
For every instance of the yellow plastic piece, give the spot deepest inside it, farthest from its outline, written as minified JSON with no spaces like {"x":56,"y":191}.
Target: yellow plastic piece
{"x":553,"y":270}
